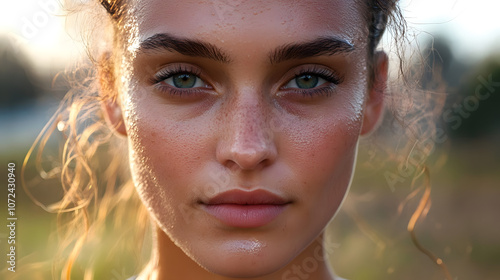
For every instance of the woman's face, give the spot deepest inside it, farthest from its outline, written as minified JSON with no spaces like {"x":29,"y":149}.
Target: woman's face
{"x":243,"y":119}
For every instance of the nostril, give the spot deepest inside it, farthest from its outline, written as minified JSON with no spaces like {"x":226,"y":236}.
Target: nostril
{"x":248,"y":160}
{"x":231,"y":165}
{"x":245,"y":157}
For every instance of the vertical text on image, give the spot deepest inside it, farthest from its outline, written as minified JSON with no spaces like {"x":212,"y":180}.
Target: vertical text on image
{"x":11,"y":218}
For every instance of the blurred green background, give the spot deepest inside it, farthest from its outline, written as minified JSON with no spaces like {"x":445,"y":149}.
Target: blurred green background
{"x":369,"y":234}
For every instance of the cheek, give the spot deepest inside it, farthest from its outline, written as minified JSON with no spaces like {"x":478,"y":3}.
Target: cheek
{"x":163,"y":153}
{"x":328,"y":153}
{"x":323,"y":157}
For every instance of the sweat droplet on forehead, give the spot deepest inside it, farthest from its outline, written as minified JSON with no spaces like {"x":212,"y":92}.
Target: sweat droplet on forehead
{"x":216,"y":20}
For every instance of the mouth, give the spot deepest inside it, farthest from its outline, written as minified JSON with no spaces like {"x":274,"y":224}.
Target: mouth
{"x":245,"y":209}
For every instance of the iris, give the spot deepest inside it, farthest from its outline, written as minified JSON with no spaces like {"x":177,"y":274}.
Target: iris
{"x":184,"y":80}
{"x":307,"y":81}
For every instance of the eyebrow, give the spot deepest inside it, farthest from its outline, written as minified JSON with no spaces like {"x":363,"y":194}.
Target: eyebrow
{"x":317,"y":47}
{"x":163,"y":41}
{"x":196,"y":48}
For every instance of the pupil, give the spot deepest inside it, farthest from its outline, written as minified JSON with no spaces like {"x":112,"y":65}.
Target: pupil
{"x":184,"y":80}
{"x":307,"y":81}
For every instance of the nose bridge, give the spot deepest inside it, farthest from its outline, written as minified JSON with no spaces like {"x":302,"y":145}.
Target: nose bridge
{"x":249,"y":122}
{"x":248,"y":139}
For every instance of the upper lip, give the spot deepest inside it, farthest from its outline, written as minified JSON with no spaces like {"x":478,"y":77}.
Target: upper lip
{"x":241,"y":197}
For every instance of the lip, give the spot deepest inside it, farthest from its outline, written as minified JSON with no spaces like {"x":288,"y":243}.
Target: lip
{"x":245,"y":209}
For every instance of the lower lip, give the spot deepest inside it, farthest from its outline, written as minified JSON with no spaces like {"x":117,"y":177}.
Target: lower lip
{"x":245,"y":216}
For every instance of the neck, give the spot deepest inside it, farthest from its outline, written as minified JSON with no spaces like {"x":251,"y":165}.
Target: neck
{"x":170,"y":262}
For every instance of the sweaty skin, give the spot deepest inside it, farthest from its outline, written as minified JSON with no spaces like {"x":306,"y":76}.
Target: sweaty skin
{"x":244,"y":125}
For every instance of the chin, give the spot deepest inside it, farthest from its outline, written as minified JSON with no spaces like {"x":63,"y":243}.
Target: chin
{"x":241,"y":266}
{"x":244,"y":257}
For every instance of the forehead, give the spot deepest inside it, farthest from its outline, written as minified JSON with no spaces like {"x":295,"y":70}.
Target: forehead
{"x":250,"y":20}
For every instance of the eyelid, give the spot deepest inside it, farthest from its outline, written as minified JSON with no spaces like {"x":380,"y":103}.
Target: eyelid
{"x":323,"y":72}
{"x":170,"y":70}
{"x":327,"y":88}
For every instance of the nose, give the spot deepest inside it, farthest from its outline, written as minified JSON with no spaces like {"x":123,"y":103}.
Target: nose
{"x":248,"y":140}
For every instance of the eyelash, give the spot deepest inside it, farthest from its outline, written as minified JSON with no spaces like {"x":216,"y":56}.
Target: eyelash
{"x":329,"y":76}
{"x":164,"y":74}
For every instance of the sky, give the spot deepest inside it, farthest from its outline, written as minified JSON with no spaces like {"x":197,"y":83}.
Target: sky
{"x":471,"y":26}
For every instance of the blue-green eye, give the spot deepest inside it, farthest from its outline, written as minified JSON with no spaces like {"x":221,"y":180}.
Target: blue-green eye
{"x":305,"y":81}
{"x":184,"y":80}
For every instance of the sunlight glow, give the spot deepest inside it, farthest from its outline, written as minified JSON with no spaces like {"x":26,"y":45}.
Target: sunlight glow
{"x":471,"y":26}
{"x":36,"y":27}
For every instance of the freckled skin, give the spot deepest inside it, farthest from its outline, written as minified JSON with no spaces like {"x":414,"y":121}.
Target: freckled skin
{"x":245,"y":136}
